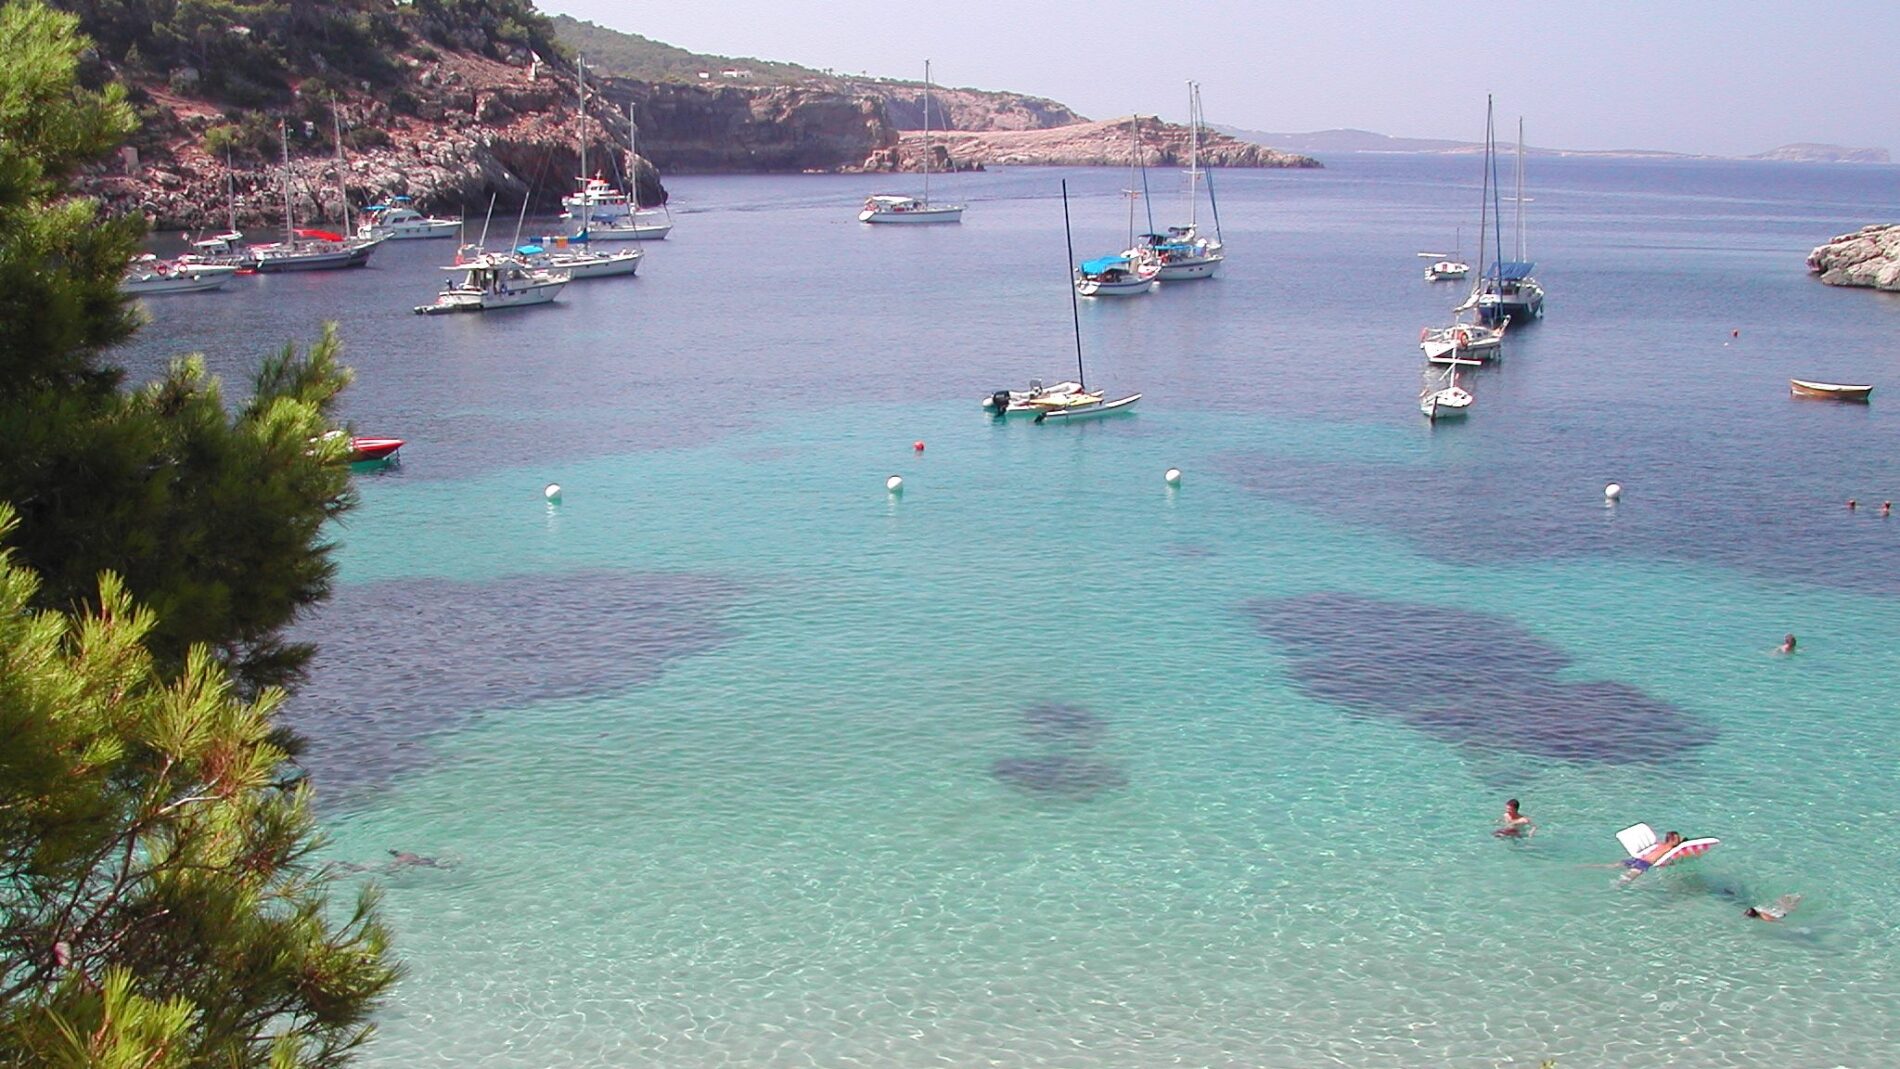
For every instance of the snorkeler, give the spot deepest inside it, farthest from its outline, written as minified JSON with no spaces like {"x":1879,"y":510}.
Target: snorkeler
{"x":1514,"y":824}
{"x":1782,"y":907}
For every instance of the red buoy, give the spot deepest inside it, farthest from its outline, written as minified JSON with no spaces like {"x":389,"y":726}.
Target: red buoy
{"x":919,"y":446}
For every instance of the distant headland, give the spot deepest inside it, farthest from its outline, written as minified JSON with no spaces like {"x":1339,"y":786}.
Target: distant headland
{"x":1322,"y":142}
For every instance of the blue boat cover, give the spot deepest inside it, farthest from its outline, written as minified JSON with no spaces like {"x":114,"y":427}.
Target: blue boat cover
{"x":1103,"y":263}
{"x":530,"y":250}
{"x":400,"y":199}
{"x":1174,"y":246}
{"x":1511,"y":270}
{"x":377,"y":208}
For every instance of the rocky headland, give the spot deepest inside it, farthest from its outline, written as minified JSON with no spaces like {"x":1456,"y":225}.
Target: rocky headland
{"x":1869,"y":257}
{"x":1079,"y":144}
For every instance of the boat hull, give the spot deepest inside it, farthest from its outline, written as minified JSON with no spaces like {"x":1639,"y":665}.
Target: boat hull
{"x":635,"y":232}
{"x":1829,"y":391}
{"x":314,"y":261}
{"x":1179,"y":271}
{"x":916,"y":215}
{"x":1092,"y":410}
{"x":608,"y":267}
{"x":441,"y":229}
{"x":1093,"y":287}
{"x":160,"y":286}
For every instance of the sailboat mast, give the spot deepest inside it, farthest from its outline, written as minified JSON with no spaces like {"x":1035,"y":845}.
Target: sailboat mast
{"x":1075,"y":308}
{"x":580,"y":86}
{"x":1194,"y":147}
{"x":1484,"y":205}
{"x":342,"y":181}
{"x":1134,"y":157}
{"x":633,"y":175}
{"x":1147,"y":202}
{"x":290,"y":224}
{"x":928,"y":148}
{"x":1520,"y":187}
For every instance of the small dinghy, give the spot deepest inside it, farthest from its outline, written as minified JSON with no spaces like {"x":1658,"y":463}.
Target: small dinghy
{"x":1829,"y":391}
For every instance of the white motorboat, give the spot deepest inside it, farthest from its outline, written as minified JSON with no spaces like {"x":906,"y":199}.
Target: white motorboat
{"x":1443,"y":398}
{"x":220,"y":250}
{"x":491,"y":282}
{"x":398,"y":221}
{"x":894,"y":208}
{"x":149,"y":276}
{"x":1182,"y":253}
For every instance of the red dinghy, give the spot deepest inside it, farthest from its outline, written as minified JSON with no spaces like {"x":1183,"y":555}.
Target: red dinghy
{"x":362,"y":449}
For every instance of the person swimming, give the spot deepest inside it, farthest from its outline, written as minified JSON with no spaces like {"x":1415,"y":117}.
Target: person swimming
{"x":1787,"y":644}
{"x":1513,"y":824}
{"x":1782,"y":907}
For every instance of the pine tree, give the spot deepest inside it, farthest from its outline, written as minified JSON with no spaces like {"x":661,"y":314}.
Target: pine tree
{"x":213,"y":518}
{"x":158,"y":904}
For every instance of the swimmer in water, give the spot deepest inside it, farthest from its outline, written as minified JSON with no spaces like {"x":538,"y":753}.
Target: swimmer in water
{"x":406,"y":860}
{"x":1513,"y":824}
{"x":1782,"y":907}
{"x":1787,"y":644}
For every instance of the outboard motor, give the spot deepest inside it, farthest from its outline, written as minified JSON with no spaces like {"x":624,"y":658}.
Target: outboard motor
{"x":999,"y":402}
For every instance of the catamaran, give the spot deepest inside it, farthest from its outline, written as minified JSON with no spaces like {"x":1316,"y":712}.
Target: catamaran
{"x":896,"y":208}
{"x":1097,"y":403}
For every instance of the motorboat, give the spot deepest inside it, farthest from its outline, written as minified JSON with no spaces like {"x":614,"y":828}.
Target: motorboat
{"x":149,"y":276}
{"x":365,"y":450}
{"x":896,"y":208}
{"x":220,"y":250}
{"x":491,"y":282}
{"x":1830,"y":391}
{"x":398,"y":221}
{"x":1114,"y":276}
{"x":607,"y":213}
{"x":1445,"y":269}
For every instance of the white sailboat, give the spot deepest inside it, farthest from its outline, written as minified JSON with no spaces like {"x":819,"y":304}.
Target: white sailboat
{"x":1097,"y":403}
{"x":1126,"y":274}
{"x":1182,"y":253}
{"x":1470,"y":343}
{"x":1447,"y":268}
{"x":607,"y":213}
{"x":898,"y":208}
{"x":1443,"y":398}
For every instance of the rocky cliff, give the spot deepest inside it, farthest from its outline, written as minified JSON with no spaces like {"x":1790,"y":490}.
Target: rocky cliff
{"x":695,"y":128}
{"x":1081,"y":144}
{"x":963,"y":109}
{"x":1869,"y":256}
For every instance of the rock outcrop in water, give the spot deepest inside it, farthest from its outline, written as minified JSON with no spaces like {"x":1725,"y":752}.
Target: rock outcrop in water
{"x":1869,"y":256}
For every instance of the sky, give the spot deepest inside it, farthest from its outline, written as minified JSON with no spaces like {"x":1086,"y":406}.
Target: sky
{"x":1698,"y":76}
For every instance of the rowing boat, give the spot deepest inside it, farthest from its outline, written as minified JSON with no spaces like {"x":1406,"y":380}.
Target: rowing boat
{"x":1832,"y":391}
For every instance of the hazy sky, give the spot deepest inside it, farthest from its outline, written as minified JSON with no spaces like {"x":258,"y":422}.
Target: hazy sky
{"x":1690,"y":75}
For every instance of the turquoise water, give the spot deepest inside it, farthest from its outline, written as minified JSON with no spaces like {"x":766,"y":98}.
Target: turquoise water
{"x":740,"y":760}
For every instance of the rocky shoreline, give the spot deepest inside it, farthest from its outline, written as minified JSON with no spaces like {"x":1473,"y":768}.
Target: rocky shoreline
{"x":1867,"y":257}
{"x":477,"y":129}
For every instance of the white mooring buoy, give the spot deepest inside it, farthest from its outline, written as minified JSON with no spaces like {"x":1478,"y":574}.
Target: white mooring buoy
{"x":1173,"y":477}
{"x":552,"y":492}
{"x":895,"y":484}
{"x":1613,"y":492}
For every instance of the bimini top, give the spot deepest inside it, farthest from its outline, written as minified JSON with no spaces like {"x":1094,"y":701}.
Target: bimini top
{"x":1511,"y":270}
{"x":1103,"y":263}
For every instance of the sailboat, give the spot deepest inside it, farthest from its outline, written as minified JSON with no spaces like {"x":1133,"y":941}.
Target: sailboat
{"x":1443,"y":398}
{"x":1472,"y":343}
{"x":897,"y":208}
{"x":1508,"y":291}
{"x":313,"y":249}
{"x":1128,"y":274}
{"x":608,"y":214}
{"x":1182,"y":253}
{"x":1097,"y":403}
{"x":1447,"y":268}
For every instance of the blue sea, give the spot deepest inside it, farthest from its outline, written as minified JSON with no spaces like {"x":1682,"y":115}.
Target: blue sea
{"x":732,"y":758}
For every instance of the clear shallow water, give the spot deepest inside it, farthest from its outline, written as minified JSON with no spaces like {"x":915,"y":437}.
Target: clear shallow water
{"x":743,"y":762}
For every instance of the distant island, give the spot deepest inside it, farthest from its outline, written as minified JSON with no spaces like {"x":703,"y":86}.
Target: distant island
{"x":1323,"y":142}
